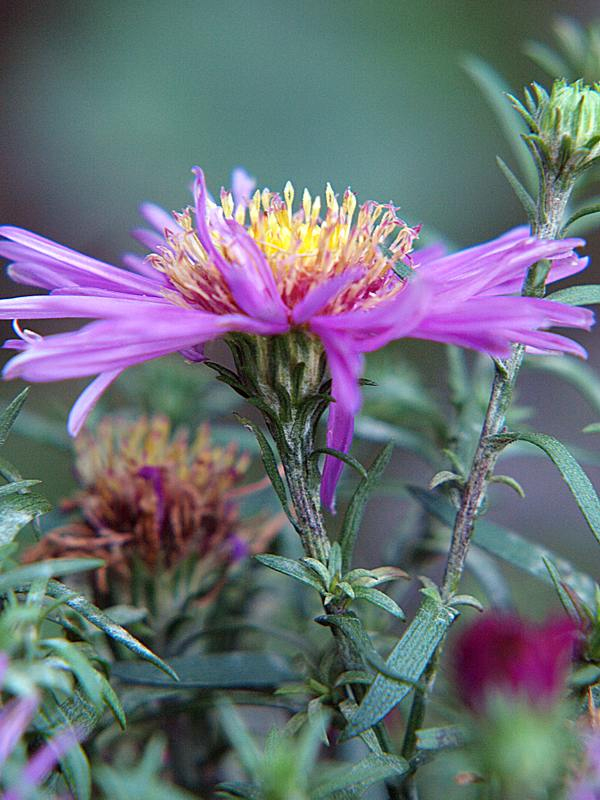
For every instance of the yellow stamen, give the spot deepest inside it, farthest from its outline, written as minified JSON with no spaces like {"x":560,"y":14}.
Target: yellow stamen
{"x":302,"y":248}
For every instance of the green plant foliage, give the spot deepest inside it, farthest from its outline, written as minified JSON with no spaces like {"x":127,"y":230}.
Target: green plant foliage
{"x":410,"y":657}
{"x":576,"y":479}
{"x":232,"y":670}
{"x":509,"y":546}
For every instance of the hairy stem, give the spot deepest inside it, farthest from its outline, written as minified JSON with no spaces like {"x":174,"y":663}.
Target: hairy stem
{"x":553,"y":197}
{"x":303,"y":485}
{"x":552,"y":201}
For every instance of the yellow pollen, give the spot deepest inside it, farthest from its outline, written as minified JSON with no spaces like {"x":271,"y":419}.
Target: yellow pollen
{"x":303,"y":249}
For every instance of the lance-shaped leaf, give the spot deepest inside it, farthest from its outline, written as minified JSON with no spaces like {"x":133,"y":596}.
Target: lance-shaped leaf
{"x":356,"y":507}
{"x":380,"y":599}
{"x":364,"y":650}
{"x":586,"y":295}
{"x":441,"y":738}
{"x":17,"y":510}
{"x":295,"y":569}
{"x":10,"y":413}
{"x":495,"y":89}
{"x":521,"y":192}
{"x":76,"y":770}
{"x":410,"y":657}
{"x":584,"y":211}
{"x":576,"y":372}
{"x":270,"y":463}
{"x":231,"y":670}
{"x":359,"y":777}
{"x":510,"y":546}
{"x":100,"y":620}
{"x":576,"y":479}
{"x":19,"y":576}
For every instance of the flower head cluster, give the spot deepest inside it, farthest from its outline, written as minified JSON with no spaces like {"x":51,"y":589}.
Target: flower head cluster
{"x":154,"y":497}
{"x":341,"y":273}
{"x":501,"y":655}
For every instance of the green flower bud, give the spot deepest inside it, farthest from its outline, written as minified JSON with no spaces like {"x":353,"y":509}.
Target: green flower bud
{"x":564,"y":126}
{"x":573,"y":110}
{"x":523,"y":750}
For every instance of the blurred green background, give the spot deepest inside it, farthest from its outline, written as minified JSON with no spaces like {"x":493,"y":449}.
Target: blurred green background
{"x":106,"y":104}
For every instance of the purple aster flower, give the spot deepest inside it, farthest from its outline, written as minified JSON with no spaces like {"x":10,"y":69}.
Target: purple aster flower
{"x":501,"y":654}
{"x":254,"y":265}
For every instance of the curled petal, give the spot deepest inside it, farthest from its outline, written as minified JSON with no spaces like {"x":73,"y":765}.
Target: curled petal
{"x":86,"y":401}
{"x":250,"y":279}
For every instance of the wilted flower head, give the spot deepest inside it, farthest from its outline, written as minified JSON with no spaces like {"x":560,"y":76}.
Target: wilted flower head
{"x":155,"y":497}
{"x":340,"y":274}
{"x":501,"y":655}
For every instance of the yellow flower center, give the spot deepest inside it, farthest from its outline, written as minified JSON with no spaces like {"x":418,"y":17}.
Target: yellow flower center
{"x":303,"y":248}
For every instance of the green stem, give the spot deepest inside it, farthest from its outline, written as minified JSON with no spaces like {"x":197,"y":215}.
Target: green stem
{"x":303,"y":484}
{"x":553,"y":197}
{"x":552,"y":202}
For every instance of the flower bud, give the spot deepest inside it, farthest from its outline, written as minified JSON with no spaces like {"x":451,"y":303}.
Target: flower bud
{"x":501,"y":654}
{"x":511,"y":675}
{"x":564,"y":125}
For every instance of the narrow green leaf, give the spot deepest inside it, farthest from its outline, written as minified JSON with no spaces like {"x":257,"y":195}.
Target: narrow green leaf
{"x":10,"y":413}
{"x":319,"y":568}
{"x":240,"y":738}
{"x":440,"y":738}
{"x":585,"y":295}
{"x":510,"y":546}
{"x":100,"y":620}
{"x":563,"y":596}
{"x":356,"y":508}
{"x":582,"y":212}
{"x":572,"y":473}
{"x":111,"y":699}
{"x":245,"y":791}
{"x":352,"y":628}
{"x":378,"y":430}
{"x":19,"y":576}
{"x":270,"y":464}
{"x":360,"y":776}
{"x":521,"y":192}
{"x":81,"y":668}
{"x":576,"y":372}
{"x":231,"y":670}
{"x":593,"y":428}
{"x":410,"y":656}
{"x":345,"y":457}
{"x":8,"y":471}
{"x":547,"y":59}
{"x":380,"y":599}
{"x":495,"y":89}
{"x":17,"y":486}
{"x":295,"y":569}
{"x":17,"y":510}
{"x":76,"y":769}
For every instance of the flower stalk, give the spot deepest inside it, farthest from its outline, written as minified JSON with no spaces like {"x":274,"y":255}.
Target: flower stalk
{"x":553,"y":198}
{"x":283,"y":377}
